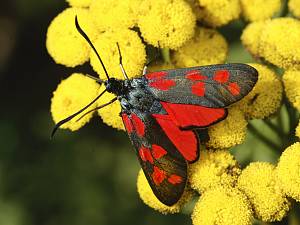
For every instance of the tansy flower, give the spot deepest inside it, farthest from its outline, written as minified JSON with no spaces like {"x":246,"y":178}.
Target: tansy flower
{"x":214,"y":168}
{"x":291,"y":81}
{"x":294,"y":7}
{"x":166,"y":23}
{"x":65,"y":45}
{"x":132,"y":51}
{"x":150,"y":199}
{"x":226,"y":206}
{"x":79,"y":3}
{"x":298,"y":130}
{"x":207,"y":47}
{"x":250,"y":37}
{"x":110,"y":114}
{"x":219,"y":12}
{"x":259,"y":9}
{"x":229,"y":132}
{"x":196,"y":8}
{"x":157,"y":66}
{"x":279,"y":42}
{"x":265,"y":97}
{"x":258,"y":182}
{"x":112,"y":14}
{"x":288,"y":171}
{"x":71,"y":95}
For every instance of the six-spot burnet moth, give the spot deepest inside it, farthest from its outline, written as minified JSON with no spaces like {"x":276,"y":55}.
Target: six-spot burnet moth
{"x":161,"y":111}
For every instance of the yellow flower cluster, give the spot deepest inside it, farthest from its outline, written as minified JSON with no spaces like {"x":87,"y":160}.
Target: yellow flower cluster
{"x":258,"y":182}
{"x":199,"y":51}
{"x":294,"y":7}
{"x":291,"y":81}
{"x":71,"y":95}
{"x":275,"y":41}
{"x":288,"y":171}
{"x":265,"y":98}
{"x":259,"y":9}
{"x":214,"y":168}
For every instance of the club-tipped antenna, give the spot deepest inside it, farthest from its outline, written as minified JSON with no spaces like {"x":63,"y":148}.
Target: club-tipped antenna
{"x":98,"y":80}
{"x":60,"y":123}
{"x":99,"y":107}
{"x":121,"y":65}
{"x":84,"y":35}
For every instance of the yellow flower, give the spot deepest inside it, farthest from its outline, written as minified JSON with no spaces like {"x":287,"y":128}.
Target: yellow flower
{"x":150,"y":199}
{"x":65,"y":45}
{"x":298,"y":130}
{"x":157,"y":66}
{"x":214,"y":168}
{"x":258,"y":182}
{"x":288,"y":171}
{"x":79,"y":3}
{"x":250,"y":37}
{"x":291,"y":81}
{"x":207,"y":47}
{"x":194,"y":4}
{"x":110,"y":114}
{"x":112,"y":14}
{"x":265,"y":98}
{"x":71,"y":95}
{"x":230,"y":132}
{"x":260,"y":9}
{"x":294,"y":7}
{"x":132,"y":51}
{"x":219,"y":12}
{"x":279,"y":42}
{"x":226,"y":206}
{"x":166,"y":23}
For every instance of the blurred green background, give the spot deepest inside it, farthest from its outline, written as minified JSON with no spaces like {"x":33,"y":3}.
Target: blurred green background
{"x":84,"y":177}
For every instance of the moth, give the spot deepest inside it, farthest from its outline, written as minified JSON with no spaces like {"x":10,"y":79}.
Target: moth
{"x":162,"y":110}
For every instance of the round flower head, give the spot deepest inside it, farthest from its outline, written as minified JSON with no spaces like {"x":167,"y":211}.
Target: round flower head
{"x":194,"y":4}
{"x":265,"y":97}
{"x":291,"y":82}
{"x":258,"y":182}
{"x":219,"y":12}
{"x":79,"y":3}
{"x":250,"y":37}
{"x":294,"y":7}
{"x":214,"y":168}
{"x":166,"y":23}
{"x":279,"y":42}
{"x":229,"y":132}
{"x":110,"y":114}
{"x":259,"y":9}
{"x":132,"y":51}
{"x":150,"y":199}
{"x":71,"y":95}
{"x":222,"y":205}
{"x":288,"y":171}
{"x":64,"y":43}
{"x":298,"y":130}
{"x":112,"y":14}
{"x":207,"y":47}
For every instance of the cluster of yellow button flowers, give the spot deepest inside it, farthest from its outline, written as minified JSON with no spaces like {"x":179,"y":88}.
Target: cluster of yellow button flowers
{"x":187,"y":33}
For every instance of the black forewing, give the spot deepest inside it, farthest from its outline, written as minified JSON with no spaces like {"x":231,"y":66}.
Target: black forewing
{"x":217,"y":95}
{"x":172,"y":163}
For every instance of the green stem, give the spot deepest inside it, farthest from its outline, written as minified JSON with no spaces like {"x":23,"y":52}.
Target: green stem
{"x":260,"y":136}
{"x":165,"y":52}
{"x":275,"y":128}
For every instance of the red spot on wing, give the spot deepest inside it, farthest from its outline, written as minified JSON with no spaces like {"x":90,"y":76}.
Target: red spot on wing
{"x":156,"y":75}
{"x":195,"y":75}
{"x":221,"y":76}
{"x":127,"y":123}
{"x":145,"y":154}
{"x":186,"y":116}
{"x":158,"y":151}
{"x":234,"y":88}
{"x":175,"y":179}
{"x":198,"y":89}
{"x":185,"y":141}
{"x":162,"y":84}
{"x":158,"y":175}
{"x":138,"y":125}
